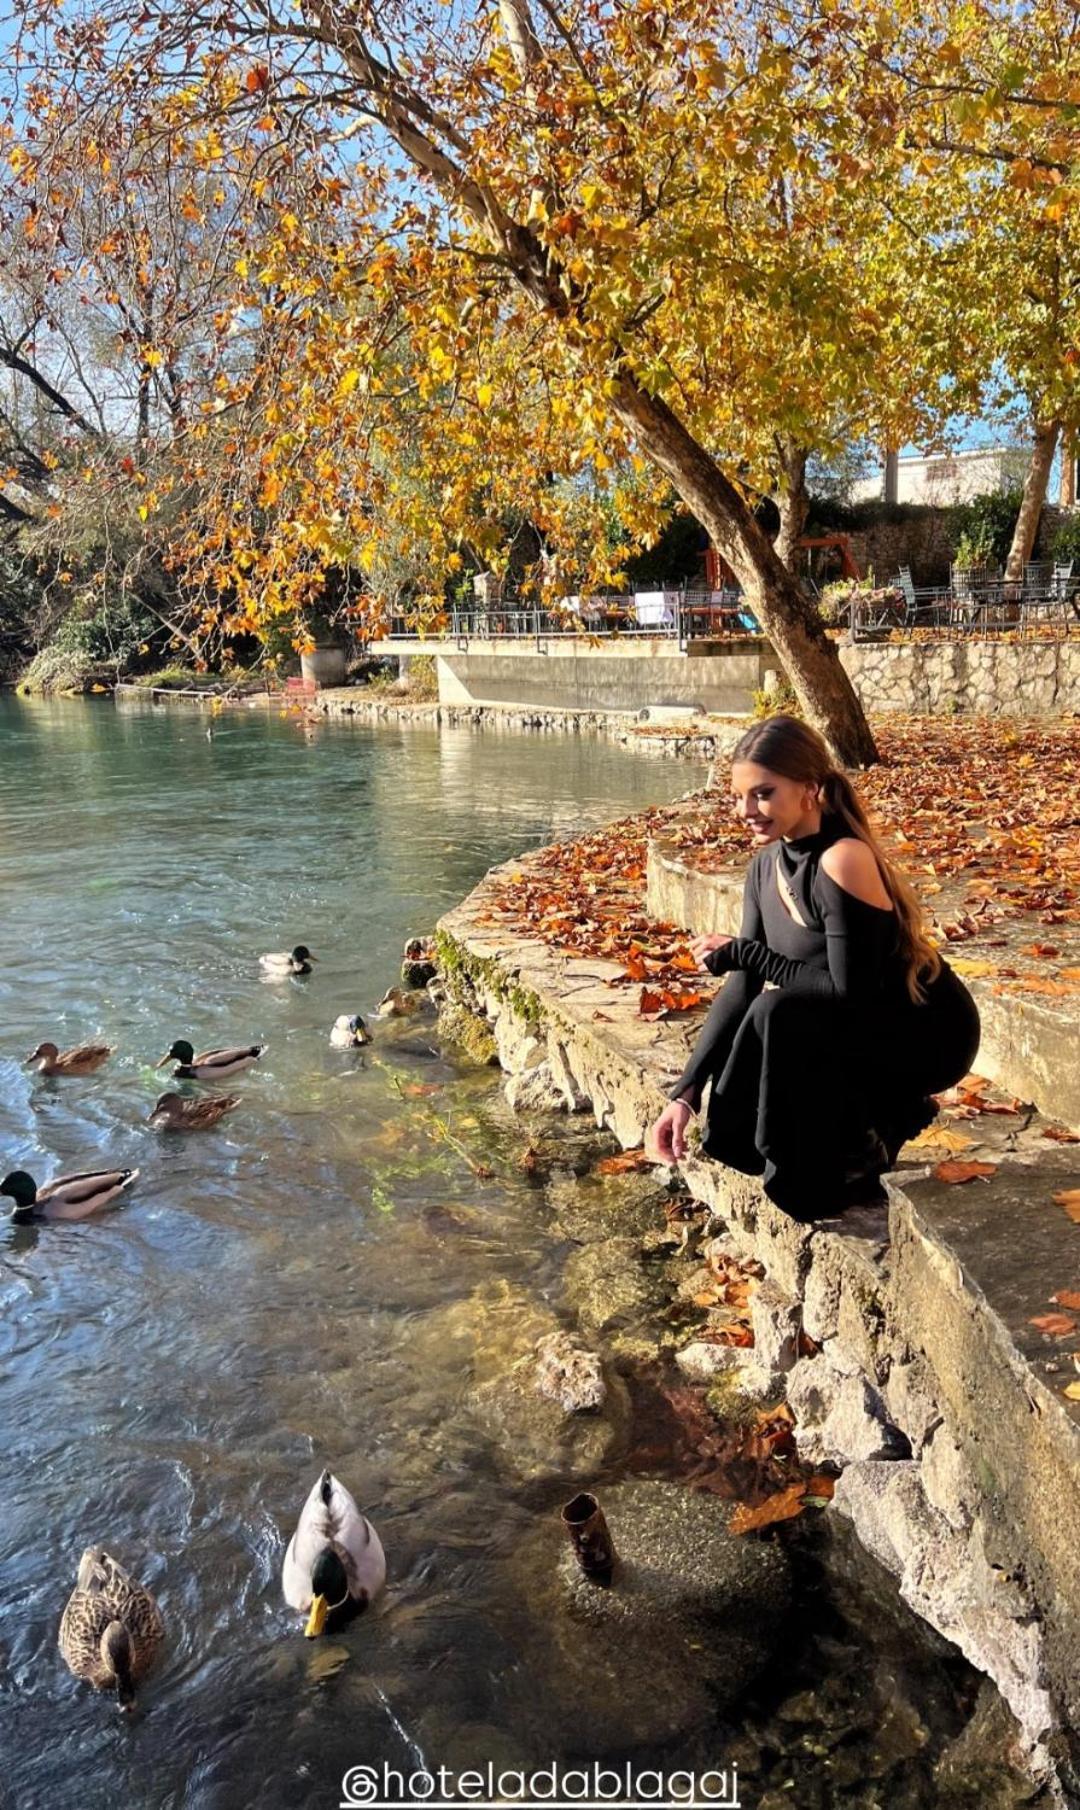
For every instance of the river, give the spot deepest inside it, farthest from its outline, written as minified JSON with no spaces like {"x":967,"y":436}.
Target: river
{"x":271,"y":1295}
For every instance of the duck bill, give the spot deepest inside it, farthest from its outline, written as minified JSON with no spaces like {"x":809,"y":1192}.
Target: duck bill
{"x":316,"y":1622}
{"x":166,"y":1058}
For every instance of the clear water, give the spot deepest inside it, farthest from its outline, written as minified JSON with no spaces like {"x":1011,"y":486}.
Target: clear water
{"x":291,"y":1289}
{"x":173,"y":1375}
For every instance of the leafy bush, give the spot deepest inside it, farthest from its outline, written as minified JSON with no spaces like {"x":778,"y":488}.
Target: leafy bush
{"x":1066,"y":542}
{"x":985,"y":526}
{"x":776,"y":699}
{"x":95,"y":643}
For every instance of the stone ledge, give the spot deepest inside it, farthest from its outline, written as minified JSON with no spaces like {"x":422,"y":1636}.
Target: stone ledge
{"x":962,"y":1464}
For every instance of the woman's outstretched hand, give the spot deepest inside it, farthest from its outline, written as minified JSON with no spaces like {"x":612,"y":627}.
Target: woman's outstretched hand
{"x":668,"y":1135}
{"x":701,"y":946}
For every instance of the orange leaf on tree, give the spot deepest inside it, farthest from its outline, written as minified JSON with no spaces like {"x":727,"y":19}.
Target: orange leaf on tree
{"x":958,"y":1171}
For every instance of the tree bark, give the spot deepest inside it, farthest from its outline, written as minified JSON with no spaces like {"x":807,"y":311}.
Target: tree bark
{"x":793,"y":501}
{"x":1031,"y":504}
{"x":1067,"y":489}
{"x":794,"y":627}
{"x":439,"y":150}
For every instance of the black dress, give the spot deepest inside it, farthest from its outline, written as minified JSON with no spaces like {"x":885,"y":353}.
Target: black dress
{"x":838,"y":1060}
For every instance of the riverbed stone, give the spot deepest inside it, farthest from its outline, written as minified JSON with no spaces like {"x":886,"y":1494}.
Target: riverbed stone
{"x":775,"y":1321}
{"x":614,"y":1295}
{"x":569,"y":1373}
{"x":692,"y":1616}
{"x":534,"y":1090}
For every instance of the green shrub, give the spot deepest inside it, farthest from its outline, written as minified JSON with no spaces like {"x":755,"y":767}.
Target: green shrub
{"x":1065,"y":544}
{"x":985,"y":525}
{"x":776,"y":699}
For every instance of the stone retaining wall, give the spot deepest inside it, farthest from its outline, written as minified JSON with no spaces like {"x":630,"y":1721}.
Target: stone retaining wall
{"x":966,"y":678}
{"x":961,"y":1466}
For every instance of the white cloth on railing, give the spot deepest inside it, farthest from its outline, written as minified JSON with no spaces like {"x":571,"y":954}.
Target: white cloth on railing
{"x":655,"y":609}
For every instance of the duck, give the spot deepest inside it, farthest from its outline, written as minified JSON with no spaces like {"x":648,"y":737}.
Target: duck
{"x":397,"y":1003}
{"x":349,"y":1031}
{"x":83,"y":1059}
{"x":334,"y":1563}
{"x":289,"y":961}
{"x":210,"y":1065}
{"x":173,"y":1113}
{"x":111,"y":1631}
{"x":67,"y":1197}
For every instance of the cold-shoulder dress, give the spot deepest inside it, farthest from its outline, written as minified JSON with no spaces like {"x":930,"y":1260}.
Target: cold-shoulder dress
{"x":822,"y":1077}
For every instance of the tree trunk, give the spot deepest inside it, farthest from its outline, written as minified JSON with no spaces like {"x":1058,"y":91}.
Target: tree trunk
{"x":792,"y":624}
{"x":1035,"y":483}
{"x":793,"y":501}
{"x":1067,"y":490}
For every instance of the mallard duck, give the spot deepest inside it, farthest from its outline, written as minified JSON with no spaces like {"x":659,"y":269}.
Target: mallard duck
{"x":349,"y":1032}
{"x":83,"y":1059}
{"x":211,"y":1065}
{"x":173,"y":1113}
{"x":112,"y":1629}
{"x":397,"y":1003}
{"x":335,"y":1563}
{"x":68,"y":1197}
{"x":289,"y":961}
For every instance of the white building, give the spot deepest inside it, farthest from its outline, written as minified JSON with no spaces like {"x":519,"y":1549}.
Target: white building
{"x":943,"y":478}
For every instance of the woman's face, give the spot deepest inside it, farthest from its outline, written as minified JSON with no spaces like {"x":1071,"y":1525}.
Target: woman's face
{"x":772,"y":806}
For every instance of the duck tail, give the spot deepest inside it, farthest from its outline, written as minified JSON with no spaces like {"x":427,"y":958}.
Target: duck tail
{"x":127,"y":1176}
{"x":326,"y":1485}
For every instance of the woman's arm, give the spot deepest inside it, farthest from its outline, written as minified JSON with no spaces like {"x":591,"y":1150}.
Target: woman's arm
{"x":859,"y":934}
{"x":729,"y":1008}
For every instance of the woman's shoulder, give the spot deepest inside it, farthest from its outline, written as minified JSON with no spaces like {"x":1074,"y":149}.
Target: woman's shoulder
{"x":851,"y":864}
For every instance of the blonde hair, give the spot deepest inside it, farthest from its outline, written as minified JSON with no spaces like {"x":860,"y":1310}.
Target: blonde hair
{"x":791,"y":748}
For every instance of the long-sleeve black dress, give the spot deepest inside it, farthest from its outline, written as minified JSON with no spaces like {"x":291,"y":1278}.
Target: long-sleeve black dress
{"x":805,"y":1076}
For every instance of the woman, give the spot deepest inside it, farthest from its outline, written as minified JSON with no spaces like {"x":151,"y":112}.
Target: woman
{"x":818,"y":1082}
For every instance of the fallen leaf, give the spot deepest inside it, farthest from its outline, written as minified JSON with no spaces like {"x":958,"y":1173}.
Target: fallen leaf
{"x":941,"y":1138}
{"x":1046,"y":950}
{"x":780,"y":1507}
{"x":964,"y":1171}
{"x":1069,"y":1198}
{"x":1072,"y":1390}
{"x":1060,"y":1135}
{"x":1058,"y":1326}
{"x":1066,"y":1297}
{"x":821,"y":1486}
{"x":625,"y":1162}
{"x":972,"y":970}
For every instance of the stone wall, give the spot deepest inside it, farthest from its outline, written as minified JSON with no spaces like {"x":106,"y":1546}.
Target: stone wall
{"x":966,"y":678}
{"x":959,"y":1462}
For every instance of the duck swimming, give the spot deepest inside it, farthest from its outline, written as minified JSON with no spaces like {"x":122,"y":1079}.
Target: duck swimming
{"x":111,"y":1631}
{"x":173,"y":1113}
{"x":83,"y":1059}
{"x":334,"y":1564}
{"x":290,"y":961}
{"x":68,"y":1197}
{"x":211,"y":1065}
{"x":349,"y":1032}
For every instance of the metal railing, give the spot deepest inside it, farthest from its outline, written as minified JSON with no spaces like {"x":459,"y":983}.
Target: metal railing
{"x":992,"y":608}
{"x":678,"y":616}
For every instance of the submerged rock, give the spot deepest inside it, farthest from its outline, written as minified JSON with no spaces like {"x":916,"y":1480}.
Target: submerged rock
{"x":569,"y":1374}
{"x":691,"y":1618}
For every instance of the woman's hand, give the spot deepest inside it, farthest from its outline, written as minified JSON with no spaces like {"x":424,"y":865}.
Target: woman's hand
{"x":701,"y":946}
{"x":668,"y":1135}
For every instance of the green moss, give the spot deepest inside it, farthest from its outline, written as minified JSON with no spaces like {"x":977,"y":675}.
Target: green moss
{"x":465,"y":973}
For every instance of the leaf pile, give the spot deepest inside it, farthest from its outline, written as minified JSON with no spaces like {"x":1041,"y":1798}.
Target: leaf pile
{"x":988,"y":808}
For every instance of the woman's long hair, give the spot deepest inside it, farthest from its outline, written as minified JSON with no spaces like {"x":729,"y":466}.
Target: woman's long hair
{"x":789,"y":747}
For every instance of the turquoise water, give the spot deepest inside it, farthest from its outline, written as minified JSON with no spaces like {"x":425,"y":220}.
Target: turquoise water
{"x":308,"y":1284}
{"x":268,"y":1297}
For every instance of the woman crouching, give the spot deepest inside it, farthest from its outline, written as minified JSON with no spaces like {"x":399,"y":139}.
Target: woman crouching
{"x":818,"y":1081}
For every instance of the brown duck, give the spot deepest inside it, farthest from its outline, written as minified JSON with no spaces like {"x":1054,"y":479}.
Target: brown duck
{"x":111,"y":1630}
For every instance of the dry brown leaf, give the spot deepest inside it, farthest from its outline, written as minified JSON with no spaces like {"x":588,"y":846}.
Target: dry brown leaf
{"x":939,"y":1137}
{"x":1060,"y":1135}
{"x":1069,"y":1198}
{"x":781,"y":1507}
{"x":1058,"y":1326}
{"x":972,"y":970}
{"x":1072,"y":1390}
{"x":1066,"y":1297}
{"x":624,"y":1162}
{"x":961,"y":1171}
{"x":821,"y":1486}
